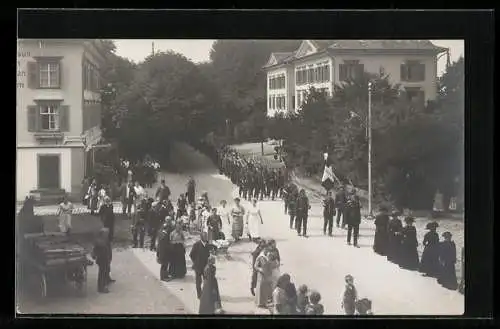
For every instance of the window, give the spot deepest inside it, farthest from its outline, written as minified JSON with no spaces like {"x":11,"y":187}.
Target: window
{"x":270,"y":102}
{"x":49,"y":74}
{"x":412,"y":71}
{"x":350,"y":70}
{"x":49,"y":117}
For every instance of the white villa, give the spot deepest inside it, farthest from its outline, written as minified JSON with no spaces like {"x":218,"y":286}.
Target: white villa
{"x":324,"y":63}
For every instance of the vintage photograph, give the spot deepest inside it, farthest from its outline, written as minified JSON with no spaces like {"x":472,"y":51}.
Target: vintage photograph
{"x":240,"y":177}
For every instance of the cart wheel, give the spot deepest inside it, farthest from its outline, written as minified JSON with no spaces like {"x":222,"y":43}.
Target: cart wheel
{"x":43,"y":285}
{"x":81,"y":285}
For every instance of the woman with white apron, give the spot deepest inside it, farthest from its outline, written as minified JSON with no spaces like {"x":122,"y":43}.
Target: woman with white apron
{"x":254,"y":221}
{"x":65,"y":211}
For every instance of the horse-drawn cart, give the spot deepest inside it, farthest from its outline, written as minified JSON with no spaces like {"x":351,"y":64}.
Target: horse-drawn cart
{"x":54,"y":258}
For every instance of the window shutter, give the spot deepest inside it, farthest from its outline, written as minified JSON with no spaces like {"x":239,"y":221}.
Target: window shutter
{"x":403,"y":72}
{"x":33,"y":118}
{"x":342,"y":72}
{"x":60,"y":68}
{"x":422,"y":71}
{"x":64,"y":118}
{"x":33,"y":77}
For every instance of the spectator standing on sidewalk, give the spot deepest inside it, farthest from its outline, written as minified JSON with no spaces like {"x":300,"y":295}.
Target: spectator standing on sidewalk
{"x":380,"y":241}
{"x":163,"y":254}
{"x":102,"y":256}
{"x":429,"y":264}
{"x":448,"y":258}
{"x":302,"y":213}
{"x":329,"y":212}
{"x":395,"y":228}
{"x":350,"y":296}
{"x":409,"y":244}
{"x":258,"y":250}
{"x":199,"y":256}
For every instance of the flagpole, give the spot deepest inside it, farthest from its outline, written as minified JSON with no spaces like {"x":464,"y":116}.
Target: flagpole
{"x":369,"y":126}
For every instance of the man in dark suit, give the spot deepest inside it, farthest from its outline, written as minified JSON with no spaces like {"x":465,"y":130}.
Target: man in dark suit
{"x":328,"y":213}
{"x":199,"y":256}
{"x":353,"y":218}
{"x":341,"y":200}
{"x":163,"y":192}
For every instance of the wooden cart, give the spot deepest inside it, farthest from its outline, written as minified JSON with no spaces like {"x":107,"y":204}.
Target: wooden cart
{"x":55,"y":259}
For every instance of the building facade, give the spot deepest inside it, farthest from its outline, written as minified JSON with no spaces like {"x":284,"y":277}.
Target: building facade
{"x":322,"y":64}
{"x":58,"y":114}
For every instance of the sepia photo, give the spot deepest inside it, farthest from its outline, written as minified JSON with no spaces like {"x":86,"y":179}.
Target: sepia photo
{"x":240,"y":177}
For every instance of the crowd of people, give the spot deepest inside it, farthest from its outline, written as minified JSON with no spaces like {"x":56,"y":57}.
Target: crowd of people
{"x":399,"y":244}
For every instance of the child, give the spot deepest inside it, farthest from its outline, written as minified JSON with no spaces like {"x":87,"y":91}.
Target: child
{"x":364,"y":306}
{"x":350,"y":296}
{"x":314,"y":307}
{"x":302,"y":299}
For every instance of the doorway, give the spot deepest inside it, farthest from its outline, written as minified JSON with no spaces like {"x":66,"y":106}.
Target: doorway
{"x":49,"y":171}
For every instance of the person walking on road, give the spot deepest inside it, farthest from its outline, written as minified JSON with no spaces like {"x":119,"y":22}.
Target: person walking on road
{"x":92,"y":193}
{"x":329,"y":212}
{"x":292,"y":207}
{"x":353,"y":219}
{"x":178,"y":260}
{"x":258,"y":250}
{"x":65,"y":212}
{"x":264,"y":267}
{"x":350,"y":296}
{"x":129,"y":199}
{"x":108,"y":217}
{"x":210,"y":301}
{"x":302,"y":213}
{"x":225,"y":216}
{"x":429,"y":264}
{"x":341,"y":200}
{"x":163,"y":253}
{"x":199,"y":256}
{"x":101,"y":253}
{"x":254,"y":221}
{"x":214,"y":226}
{"x":237,"y":213}
{"x":191,"y":190}
{"x":447,"y":258}
{"x":381,"y":238}
{"x":162,"y":192}
{"x":409,"y":244}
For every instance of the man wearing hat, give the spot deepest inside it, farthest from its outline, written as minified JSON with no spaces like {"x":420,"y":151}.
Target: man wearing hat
{"x":395,"y":228}
{"x":447,"y":258}
{"x":353,"y":219}
{"x":108,"y":216}
{"x":409,"y":244}
{"x":381,"y":239}
{"x":429,"y":264}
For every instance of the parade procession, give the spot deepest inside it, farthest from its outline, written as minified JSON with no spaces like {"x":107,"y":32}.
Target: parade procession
{"x":157,"y":201}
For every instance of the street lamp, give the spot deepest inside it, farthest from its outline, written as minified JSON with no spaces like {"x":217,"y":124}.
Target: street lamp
{"x":368,"y":127}
{"x":370,"y":213}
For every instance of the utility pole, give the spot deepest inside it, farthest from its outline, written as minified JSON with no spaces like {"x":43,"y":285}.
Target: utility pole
{"x":370,"y":213}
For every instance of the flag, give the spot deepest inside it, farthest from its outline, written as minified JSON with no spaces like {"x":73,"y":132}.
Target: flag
{"x":329,"y":178}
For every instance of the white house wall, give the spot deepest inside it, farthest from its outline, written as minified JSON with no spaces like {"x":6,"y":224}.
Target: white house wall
{"x":27,"y":169}
{"x":320,"y":85}
{"x":277,"y":92}
{"x":392,"y":67}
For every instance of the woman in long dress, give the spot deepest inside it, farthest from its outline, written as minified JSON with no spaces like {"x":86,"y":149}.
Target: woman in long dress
{"x":178,"y":260}
{"x":100,"y":197}
{"x":214,"y":225}
{"x":237,"y":213}
{"x":447,"y":258}
{"x":263,"y":266}
{"x":429,"y":264}
{"x":395,"y":228}
{"x":224,"y":213}
{"x":381,"y":239}
{"x":409,"y":244}
{"x":210,"y":297}
{"x":65,"y":212}
{"x":254,"y":220}
{"x":275,"y":268}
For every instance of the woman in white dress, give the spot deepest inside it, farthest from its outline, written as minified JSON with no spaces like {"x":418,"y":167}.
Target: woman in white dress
{"x":100,"y":197}
{"x":65,"y":211}
{"x":225,"y":215}
{"x":254,"y":220}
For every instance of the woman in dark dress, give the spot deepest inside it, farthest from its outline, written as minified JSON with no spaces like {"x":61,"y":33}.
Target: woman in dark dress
{"x":214,"y":224}
{"x":210,"y":297}
{"x":178,"y":260}
{"x":381,"y":239}
{"x":447,"y":258}
{"x":395,"y":228}
{"x":429,"y":264}
{"x":409,"y":244}
{"x":164,"y":252}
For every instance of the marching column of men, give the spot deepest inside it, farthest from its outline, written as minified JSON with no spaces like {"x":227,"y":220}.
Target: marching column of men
{"x":253,"y":178}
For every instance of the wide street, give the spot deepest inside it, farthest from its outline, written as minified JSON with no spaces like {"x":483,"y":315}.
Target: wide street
{"x":319,"y":261}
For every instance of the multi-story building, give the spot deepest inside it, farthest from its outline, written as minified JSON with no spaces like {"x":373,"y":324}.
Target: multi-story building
{"x":58,"y":114}
{"x":322,"y":64}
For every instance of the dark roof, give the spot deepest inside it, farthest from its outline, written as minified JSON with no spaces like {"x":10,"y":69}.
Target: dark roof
{"x":376,"y":44}
{"x":282,"y":57}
